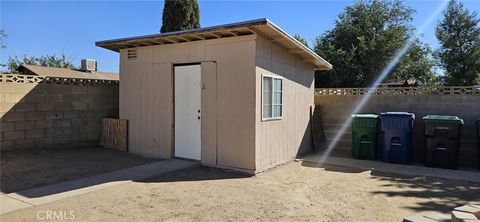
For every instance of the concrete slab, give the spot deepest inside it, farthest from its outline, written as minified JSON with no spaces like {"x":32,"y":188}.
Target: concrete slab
{"x":418,"y":219}
{"x":468,"y":209}
{"x":411,"y":170}
{"x":430,"y":218}
{"x":50,"y":193}
{"x":458,"y":216}
{"x":8,"y":204}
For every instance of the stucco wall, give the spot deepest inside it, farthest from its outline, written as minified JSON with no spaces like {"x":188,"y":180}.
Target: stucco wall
{"x":146,"y":98}
{"x":336,"y":108}
{"x":53,"y":115}
{"x":278,"y":141}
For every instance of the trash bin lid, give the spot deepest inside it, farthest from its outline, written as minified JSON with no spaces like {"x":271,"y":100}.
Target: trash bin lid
{"x":369,"y":116}
{"x":441,"y":118}
{"x":397,"y":114}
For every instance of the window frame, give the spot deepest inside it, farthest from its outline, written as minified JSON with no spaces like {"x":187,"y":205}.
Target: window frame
{"x":272,"y":77}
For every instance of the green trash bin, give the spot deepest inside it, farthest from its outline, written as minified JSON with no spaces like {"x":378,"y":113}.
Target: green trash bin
{"x":364,"y":136}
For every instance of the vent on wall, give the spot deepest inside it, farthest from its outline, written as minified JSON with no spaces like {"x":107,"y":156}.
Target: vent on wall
{"x":132,"y":53}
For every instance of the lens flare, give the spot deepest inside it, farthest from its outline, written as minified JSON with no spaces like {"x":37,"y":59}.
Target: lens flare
{"x":387,"y":70}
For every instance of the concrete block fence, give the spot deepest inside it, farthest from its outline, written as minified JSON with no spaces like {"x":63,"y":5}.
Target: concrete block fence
{"x":53,"y":113}
{"x":338,"y":104}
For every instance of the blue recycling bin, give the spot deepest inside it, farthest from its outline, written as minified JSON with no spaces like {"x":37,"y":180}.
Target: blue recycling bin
{"x":396,"y":136}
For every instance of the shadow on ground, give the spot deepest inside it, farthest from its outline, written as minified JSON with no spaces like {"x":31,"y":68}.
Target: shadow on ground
{"x":199,"y":173}
{"x":25,"y":169}
{"x":442,"y":195}
{"x":194,"y":173}
{"x":333,"y":168}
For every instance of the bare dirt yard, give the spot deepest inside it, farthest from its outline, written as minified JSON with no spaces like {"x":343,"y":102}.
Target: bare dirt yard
{"x":297,"y":191}
{"x":26,"y":169}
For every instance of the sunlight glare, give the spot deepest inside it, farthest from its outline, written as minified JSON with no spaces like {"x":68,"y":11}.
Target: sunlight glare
{"x":388,"y":69}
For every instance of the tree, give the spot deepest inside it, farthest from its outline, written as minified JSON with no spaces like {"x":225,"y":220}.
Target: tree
{"x":48,"y":61}
{"x":459,"y":54}
{"x":366,"y":36}
{"x":180,"y":15}
{"x":3,"y":35}
{"x":417,"y":63}
{"x":301,"y":39}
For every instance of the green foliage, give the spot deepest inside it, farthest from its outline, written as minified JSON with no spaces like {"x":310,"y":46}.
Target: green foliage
{"x":366,"y":36}
{"x":48,"y":61}
{"x":301,"y":39}
{"x":180,"y":15}
{"x":459,"y":54}
{"x":3,"y":35}
{"x":416,"y":63}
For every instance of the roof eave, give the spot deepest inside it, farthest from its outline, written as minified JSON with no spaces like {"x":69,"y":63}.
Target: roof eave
{"x":318,"y":62}
{"x":323,"y":68}
{"x":325,"y":65}
{"x":107,"y":43}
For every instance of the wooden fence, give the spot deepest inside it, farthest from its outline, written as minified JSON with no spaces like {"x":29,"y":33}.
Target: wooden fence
{"x":114,"y":134}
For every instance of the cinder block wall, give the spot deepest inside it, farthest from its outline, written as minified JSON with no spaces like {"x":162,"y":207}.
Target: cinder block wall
{"x":55,"y":114}
{"x":337,"y":108}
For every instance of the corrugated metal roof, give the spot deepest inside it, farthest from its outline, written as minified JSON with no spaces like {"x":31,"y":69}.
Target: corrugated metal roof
{"x":262,"y":26}
{"x":68,"y":73}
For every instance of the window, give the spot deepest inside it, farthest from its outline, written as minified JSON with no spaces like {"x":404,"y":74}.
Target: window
{"x":272,"y":90}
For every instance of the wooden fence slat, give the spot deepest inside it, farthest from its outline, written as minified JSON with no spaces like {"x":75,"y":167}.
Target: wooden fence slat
{"x":318,"y":131}
{"x":114,"y":134}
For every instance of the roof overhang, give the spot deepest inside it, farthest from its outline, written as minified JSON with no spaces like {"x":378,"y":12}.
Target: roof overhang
{"x":262,"y":27}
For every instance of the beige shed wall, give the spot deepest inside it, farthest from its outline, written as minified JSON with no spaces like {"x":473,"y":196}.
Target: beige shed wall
{"x":278,"y":141}
{"x":146,"y":99}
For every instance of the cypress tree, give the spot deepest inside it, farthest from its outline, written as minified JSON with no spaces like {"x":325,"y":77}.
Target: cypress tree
{"x":180,"y":15}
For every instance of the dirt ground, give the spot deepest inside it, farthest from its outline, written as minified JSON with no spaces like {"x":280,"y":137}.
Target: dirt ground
{"x":298,"y":191}
{"x":26,"y":169}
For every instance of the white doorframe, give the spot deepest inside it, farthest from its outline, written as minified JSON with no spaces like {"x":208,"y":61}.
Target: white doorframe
{"x":187,"y":111}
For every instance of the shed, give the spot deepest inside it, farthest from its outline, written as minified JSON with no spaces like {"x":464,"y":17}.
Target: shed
{"x":234,"y":96}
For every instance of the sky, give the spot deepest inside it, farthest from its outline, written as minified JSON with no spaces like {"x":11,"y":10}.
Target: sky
{"x":37,"y":28}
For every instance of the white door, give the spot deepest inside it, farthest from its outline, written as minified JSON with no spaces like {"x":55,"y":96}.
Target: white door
{"x":188,"y":112}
